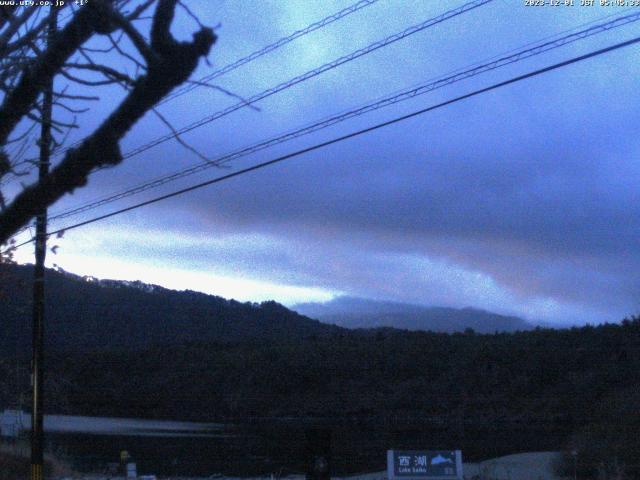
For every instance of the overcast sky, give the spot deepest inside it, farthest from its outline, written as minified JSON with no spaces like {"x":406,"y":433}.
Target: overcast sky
{"x":520,"y":201}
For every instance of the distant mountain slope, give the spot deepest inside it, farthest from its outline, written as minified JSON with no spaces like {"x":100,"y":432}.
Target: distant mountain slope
{"x":353,"y":312}
{"x":84,"y":313}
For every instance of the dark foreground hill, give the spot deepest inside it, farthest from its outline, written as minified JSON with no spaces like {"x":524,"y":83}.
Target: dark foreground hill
{"x":267,"y":368}
{"x":487,"y":394}
{"x":85,"y":314}
{"x":353,"y":312}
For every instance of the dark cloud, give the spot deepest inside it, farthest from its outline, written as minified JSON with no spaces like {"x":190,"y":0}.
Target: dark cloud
{"x":523,"y":200}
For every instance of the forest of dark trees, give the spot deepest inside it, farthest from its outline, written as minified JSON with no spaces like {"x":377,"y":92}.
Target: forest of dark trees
{"x":263,"y":365}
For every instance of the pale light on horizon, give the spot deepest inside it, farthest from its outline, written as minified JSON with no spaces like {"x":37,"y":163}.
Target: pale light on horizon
{"x":240,"y":289}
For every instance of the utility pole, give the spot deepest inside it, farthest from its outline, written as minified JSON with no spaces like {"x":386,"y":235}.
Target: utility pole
{"x":37,"y":377}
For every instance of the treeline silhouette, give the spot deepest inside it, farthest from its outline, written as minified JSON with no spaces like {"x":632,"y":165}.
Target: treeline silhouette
{"x":272,"y":370}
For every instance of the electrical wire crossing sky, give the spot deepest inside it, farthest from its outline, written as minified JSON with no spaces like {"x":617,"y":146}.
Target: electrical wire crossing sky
{"x":512,"y":191}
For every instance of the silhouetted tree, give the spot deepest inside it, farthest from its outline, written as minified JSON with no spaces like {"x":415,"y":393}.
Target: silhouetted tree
{"x":28,"y":62}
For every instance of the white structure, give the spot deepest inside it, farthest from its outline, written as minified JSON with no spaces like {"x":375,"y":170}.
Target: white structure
{"x":132,"y":471}
{"x":14,"y":422}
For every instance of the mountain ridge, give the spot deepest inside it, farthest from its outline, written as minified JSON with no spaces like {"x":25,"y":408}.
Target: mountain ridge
{"x":355,"y":312}
{"x":84,"y":313}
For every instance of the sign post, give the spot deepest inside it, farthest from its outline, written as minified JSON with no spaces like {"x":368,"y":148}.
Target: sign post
{"x":318,"y":454}
{"x":424,"y":464}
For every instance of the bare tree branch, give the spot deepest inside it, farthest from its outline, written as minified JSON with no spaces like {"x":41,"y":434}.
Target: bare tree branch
{"x":6,"y":13}
{"x":178,"y":137}
{"x":171,"y":64}
{"x":19,"y":101}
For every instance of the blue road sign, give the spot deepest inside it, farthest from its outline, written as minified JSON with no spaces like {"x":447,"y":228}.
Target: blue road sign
{"x":424,"y":464}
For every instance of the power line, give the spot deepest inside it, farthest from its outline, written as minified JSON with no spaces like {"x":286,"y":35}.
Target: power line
{"x":304,"y":77}
{"x":271,"y":47}
{"x":256,"y":54}
{"x":381,"y":103}
{"x":311,"y":74}
{"x":339,"y":139}
{"x":259,"y":53}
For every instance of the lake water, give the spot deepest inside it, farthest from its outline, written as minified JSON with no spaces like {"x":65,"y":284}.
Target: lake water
{"x":257,"y":449}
